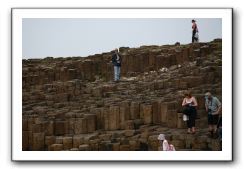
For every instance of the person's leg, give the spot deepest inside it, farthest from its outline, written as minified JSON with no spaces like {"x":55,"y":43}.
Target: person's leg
{"x":115,"y":73}
{"x":215,"y":122}
{"x":189,"y":123}
{"x":194,"y":114}
{"x":188,"y":126}
{"x":118,"y":72}
{"x":210,"y":125}
{"x":193,"y":36}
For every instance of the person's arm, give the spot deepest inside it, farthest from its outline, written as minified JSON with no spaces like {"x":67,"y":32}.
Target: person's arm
{"x":206,"y":105}
{"x":184,"y":102}
{"x":194,"y":102}
{"x":219,"y":107}
{"x":218,"y":111}
{"x":120,"y":57}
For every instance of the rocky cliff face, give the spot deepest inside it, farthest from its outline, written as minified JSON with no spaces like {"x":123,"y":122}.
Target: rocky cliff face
{"x":71,"y":103}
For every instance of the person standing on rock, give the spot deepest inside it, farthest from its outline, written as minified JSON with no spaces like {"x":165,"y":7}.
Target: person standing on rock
{"x":116,"y":60}
{"x":194,"y":31}
{"x":213,"y":108}
{"x":189,"y":105}
{"x":164,"y":145}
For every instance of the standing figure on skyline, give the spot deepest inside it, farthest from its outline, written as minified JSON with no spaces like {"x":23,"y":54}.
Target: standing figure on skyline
{"x":116,"y":60}
{"x":195,"y":37}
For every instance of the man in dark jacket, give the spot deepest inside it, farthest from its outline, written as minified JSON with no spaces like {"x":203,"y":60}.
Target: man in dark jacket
{"x":116,"y":60}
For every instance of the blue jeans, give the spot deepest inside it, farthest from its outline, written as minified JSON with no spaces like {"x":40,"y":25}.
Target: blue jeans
{"x":116,"y":73}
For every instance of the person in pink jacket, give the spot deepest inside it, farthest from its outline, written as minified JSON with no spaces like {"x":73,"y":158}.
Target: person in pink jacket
{"x":164,"y":145}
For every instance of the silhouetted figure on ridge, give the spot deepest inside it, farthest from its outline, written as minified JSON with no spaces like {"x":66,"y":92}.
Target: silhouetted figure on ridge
{"x":195,"y":37}
{"x":116,"y":60}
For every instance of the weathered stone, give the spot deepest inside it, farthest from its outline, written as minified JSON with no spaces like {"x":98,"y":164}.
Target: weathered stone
{"x":125,"y":110}
{"x":124,"y":147}
{"x":37,"y":128}
{"x":134,"y":145}
{"x":59,"y":128}
{"x":200,"y":143}
{"x":215,"y":145}
{"x":94,"y":145}
{"x":38,"y":141}
{"x":105,"y":146}
{"x":153,"y":142}
{"x":156,"y":108}
{"x":91,"y":122}
{"x":56,"y":147}
{"x":59,"y":140}
{"x":49,"y":128}
{"x":72,"y":97}
{"x":84,"y":147}
{"x":202,"y":122}
{"x":138,"y":123}
{"x":25,"y":140}
{"x":105,"y":137}
{"x":129,"y":133}
{"x":105,"y":116}
{"x":30,"y":139}
{"x":67,"y":142}
{"x":99,"y":118}
{"x":129,"y":125}
{"x":69,"y":126}
{"x":114,"y":118}
{"x":80,"y":126}
{"x":49,"y":140}
{"x":147,"y":113}
{"x":30,"y":122}
{"x":77,"y":141}
{"x":74,"y":149}
{"x":24,"y":124}
{"x":163,"y":112}
{"x":172,"y":118}
{"x":115,"y":146}
{"x":178,"y":144}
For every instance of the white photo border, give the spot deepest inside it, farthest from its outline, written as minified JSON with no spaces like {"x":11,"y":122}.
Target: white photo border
{"x":19,"y":13}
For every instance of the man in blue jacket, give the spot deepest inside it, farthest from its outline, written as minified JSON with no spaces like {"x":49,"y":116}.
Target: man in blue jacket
{"x":116,"y":60}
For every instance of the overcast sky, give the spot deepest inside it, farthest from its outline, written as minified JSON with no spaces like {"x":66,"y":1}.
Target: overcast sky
{"x":84,"y":37}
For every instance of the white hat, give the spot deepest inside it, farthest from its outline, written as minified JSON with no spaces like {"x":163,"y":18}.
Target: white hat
{"x":161,"y":137}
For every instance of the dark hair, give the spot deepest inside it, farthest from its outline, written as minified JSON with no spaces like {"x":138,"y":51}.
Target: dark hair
{"x":193,"y":20}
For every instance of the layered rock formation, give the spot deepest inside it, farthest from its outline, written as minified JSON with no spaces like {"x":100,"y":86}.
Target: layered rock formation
{"x":72,"y":104}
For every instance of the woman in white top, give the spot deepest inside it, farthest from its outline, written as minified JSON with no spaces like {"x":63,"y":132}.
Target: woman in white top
{"x":190,"y":103}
